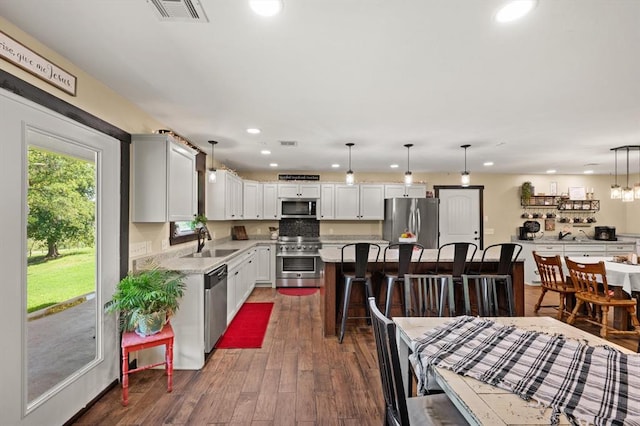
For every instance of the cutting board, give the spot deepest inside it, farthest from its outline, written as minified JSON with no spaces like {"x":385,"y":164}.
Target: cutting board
{"x":239,"y":233}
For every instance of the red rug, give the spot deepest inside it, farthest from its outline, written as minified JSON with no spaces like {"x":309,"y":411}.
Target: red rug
{"x":301,"y":291}
{"x":247,"y":328}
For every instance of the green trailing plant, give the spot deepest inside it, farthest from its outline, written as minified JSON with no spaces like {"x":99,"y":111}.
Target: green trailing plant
{"x":526,"y":191}
{"x":145,"y":293}
{"x":197,"y":219}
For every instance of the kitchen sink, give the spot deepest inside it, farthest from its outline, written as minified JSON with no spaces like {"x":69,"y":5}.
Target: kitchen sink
{"x":213,"y":253}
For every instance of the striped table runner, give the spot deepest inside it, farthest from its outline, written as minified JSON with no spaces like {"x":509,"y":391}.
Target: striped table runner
{"x":596,"y":385}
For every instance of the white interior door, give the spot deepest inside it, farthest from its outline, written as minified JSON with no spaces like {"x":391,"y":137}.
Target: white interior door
{"x":460,"y":215}
{"x":27,"y":126}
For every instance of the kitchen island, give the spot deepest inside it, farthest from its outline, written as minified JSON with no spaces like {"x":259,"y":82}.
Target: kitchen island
{"x":330,"y":296}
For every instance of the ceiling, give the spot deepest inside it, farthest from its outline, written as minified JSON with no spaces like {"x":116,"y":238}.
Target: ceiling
{"x":555,"y":90}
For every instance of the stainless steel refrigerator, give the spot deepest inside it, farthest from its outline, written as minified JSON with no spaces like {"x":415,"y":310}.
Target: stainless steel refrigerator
{"x":417,"y":215}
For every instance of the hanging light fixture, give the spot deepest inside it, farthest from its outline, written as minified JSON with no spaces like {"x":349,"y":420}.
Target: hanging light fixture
{"x":212,"y":170}
{"x":408,"y":177}
{"x":636,"y":187}
{"x":465,"y":178}
{"x":350,"y":178}
{"x":627,"y":192}
{"x":616,"y":191}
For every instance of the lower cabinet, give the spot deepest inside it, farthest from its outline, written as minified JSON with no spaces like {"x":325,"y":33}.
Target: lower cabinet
{"x":241,"y":281}
{"x":265,"y":265}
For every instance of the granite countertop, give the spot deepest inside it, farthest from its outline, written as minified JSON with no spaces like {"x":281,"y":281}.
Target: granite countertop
{"x":567,"y":240}
{"x":334,"y":255}
{"x":174,"y":260}
{"x":348,"y":239}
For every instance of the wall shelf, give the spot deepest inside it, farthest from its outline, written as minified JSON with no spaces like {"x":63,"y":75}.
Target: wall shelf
{"x":560,"y":203}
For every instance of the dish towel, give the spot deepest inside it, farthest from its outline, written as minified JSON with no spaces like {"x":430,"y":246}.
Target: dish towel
{"x":590,"y":384}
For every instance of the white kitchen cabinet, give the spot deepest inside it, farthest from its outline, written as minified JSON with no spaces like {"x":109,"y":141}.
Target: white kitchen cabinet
{"x":327,"y":195}
{"x":299,"y":190}
{"x":265,"y":264}
{"x":270,"y":203}
{"x":400,"y":190}
{"x":252,"y":194}
{"x":241,"y":281}
{"x":621,"y":248}
{"x":224,"y":197}
{"x":164,"y":179}
{"x":359,"y":202}
{"x":371,"y":201}
{"x":582,"y":249}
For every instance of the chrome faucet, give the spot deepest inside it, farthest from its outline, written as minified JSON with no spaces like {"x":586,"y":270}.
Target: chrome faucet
{"x":561,"y":235}
{"x":200,"y":234}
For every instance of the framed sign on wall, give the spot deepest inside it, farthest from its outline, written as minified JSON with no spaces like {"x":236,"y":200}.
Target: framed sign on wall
{"x":14,"y":52}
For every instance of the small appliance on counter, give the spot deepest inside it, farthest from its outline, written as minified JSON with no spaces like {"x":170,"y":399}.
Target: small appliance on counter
{"x":605,"y":233}
{"x":528,"y":228}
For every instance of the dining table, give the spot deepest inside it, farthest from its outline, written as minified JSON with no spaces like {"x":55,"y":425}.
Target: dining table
{"x":483,"y":403}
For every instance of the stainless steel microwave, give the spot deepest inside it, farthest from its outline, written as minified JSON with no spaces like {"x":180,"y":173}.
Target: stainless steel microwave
{"x":298,"y":208}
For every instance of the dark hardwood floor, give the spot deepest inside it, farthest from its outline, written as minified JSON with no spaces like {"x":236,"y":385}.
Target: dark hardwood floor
{"x":297,"y":377}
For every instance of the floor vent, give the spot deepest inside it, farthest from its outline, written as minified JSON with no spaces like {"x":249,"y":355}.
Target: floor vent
{"x":288,"y":143}
{"x":179,"y":10}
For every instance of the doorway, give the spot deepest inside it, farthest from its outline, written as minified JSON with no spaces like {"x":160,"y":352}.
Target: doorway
{"x":33,"y":135}
{"x":460,"y":214}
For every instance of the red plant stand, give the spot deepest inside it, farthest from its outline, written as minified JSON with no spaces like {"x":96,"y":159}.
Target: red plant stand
{"x":132,"y":342}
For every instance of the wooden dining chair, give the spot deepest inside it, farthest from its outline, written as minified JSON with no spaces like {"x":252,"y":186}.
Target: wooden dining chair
{"x":436,"y":409}
{"x":590,"y":280}
{"x":552,"y":279}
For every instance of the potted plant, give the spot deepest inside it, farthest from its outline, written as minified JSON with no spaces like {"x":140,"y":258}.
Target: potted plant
{"x":526,"y":191}
{"x":147,"y":299}
{"x":198,"y":221}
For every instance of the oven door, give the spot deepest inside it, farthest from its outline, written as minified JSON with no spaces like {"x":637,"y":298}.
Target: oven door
{"x":298,"y":270}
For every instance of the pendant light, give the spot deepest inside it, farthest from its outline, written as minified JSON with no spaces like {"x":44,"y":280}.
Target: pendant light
{"x":636,"y":187}
{"x":408,"y":177}
{"x":627,"y":192}
{"x":212,"y":170}
{"x":616,"y":191}
{"x":350,"y":178}
{"x":465,"y":178}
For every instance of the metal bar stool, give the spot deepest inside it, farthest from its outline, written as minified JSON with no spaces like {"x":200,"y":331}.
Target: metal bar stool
{"x":360,"y":275}
{"x":461,"y":261}
{"x":405,"y":254}
{"x":486,"y":282}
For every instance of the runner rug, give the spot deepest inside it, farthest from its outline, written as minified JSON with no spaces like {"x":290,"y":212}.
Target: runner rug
{"x":303,"y":291}
{"x":248,"y":327}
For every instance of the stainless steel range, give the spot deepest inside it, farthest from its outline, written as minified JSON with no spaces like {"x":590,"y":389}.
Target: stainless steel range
{"x":298,"y":262}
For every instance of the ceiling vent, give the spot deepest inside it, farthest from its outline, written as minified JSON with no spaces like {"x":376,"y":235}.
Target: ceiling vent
{"x":288,"y":143}
{"x":179,"y":10}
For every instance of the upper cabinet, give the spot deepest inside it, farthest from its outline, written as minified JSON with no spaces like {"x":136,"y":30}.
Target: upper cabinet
{"x":327,"y":201}
{"x":270,"y":204}
{"x":164,"y":179}
{"x":400,"y":190}
{"x":252,"y":195}
{"x":359,"y":202}
{"x":224,"y":197}
{"x":299,"y":190}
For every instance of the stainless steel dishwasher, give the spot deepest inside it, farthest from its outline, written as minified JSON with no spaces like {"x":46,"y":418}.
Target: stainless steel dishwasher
{"x":215,"y":306}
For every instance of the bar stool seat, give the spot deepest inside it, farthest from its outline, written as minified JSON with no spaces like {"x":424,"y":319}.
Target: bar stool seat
{"x":132,"y":342}
{"x":360,"y":275}
{"x":405,"y":254}
{"x":486,"y":283}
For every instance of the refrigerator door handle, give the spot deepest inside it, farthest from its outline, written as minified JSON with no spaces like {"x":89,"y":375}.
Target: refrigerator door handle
{"x":418,"y":223}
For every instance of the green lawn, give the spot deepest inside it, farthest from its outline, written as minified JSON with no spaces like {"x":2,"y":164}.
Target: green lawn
{"x":54,"y":281}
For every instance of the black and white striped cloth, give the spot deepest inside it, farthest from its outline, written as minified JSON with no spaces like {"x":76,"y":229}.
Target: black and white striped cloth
{"x":589,"y":384}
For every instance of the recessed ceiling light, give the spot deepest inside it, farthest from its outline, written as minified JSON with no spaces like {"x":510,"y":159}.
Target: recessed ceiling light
{"x":273,"y":164}
{"x":588,"y":172}
{"x":487,"y":163}
{"x":335,"y":166}
{"x":394,"y":166}
{"x":514,"y":10}
{"x":265,"y":152}
{"x":551,"y":171}
{"x":253,"y":131}
{"x":266,"y":7}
